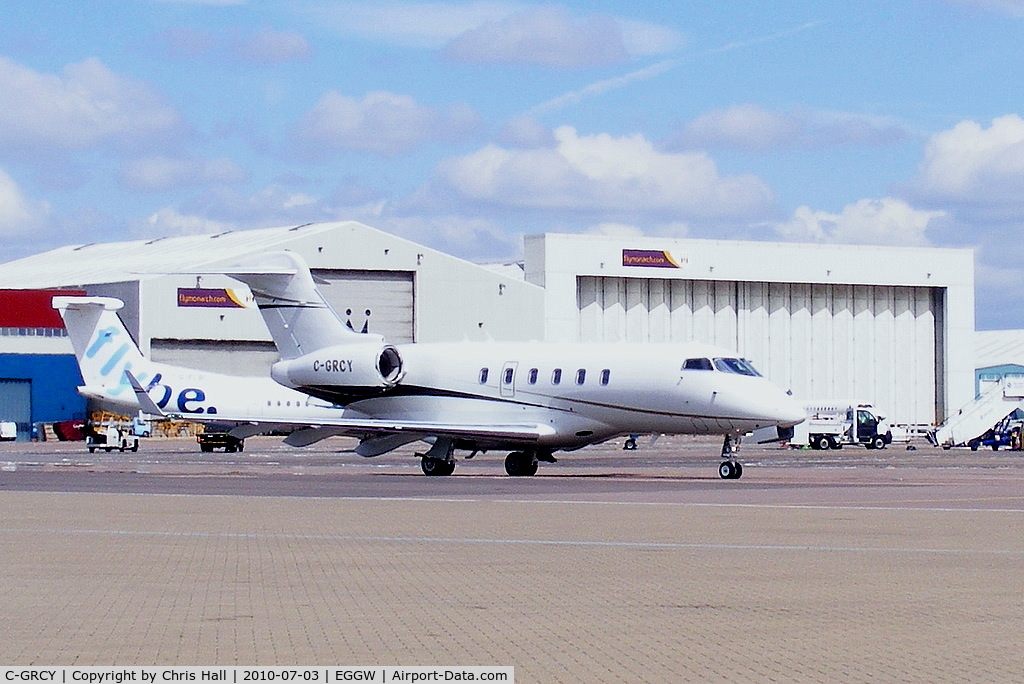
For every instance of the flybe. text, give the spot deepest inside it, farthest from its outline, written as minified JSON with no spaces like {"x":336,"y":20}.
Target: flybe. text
{"x":115,"y":355}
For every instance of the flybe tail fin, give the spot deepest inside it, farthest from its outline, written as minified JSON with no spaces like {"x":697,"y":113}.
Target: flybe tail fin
{"x":102,"y":344}
{"x":299,"y":319}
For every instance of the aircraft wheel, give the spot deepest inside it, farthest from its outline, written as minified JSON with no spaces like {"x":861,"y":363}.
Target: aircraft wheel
{"x":436,"y":467}
{"x":730,"y":470}
{"x":520,"y":464}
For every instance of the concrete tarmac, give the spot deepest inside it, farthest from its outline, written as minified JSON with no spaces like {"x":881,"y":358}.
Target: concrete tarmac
{"x":608,"y":566}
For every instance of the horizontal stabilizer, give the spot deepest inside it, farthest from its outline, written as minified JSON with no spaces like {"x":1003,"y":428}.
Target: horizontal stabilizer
{"x":145,"y":402}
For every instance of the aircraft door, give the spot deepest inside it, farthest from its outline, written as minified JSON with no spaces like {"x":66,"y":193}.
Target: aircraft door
{"x":508,"y":378}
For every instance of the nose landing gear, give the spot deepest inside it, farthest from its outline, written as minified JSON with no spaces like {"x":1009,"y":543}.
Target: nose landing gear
{"x":730,"y":468}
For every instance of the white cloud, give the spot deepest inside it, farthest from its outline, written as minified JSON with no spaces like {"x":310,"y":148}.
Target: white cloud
{"x":18,"y":214}
{"x":271,"y":47}
{"x":155,"y":174}
{"x":887,"y":221}
{"x":423,"y":25}
{"x":750,"y":126}
{"x":971,"y":164}
{"x":509,"y":32}
{"x":86,"y":106}
{"x":169,"y":221}
{"x":469,"y":237}
{"x":382,"y":123}
{"x":525,"y":131}
{"x":545,"y":35}
{"x":1012,"y":7}
{"x":619,"y":230}
{"x":601,"y":172}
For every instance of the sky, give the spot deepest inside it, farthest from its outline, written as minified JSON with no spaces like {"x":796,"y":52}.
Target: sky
{"x":466,"y":125}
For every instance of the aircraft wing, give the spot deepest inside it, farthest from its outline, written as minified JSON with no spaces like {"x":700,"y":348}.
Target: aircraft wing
{"x":369,"y":428}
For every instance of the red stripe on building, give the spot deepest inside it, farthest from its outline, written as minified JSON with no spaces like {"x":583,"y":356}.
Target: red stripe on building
{"x":31,"y":308}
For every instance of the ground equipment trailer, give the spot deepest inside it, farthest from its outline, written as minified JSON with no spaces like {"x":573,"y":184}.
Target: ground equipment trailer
{"x":833,"y":425}
{"x":109,"y":438}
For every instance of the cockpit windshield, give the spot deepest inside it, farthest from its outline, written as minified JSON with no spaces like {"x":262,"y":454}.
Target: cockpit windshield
{"x":698,"y":364}
{"x":738,"y":366}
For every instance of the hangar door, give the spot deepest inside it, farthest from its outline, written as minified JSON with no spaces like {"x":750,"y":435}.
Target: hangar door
{"x":380,"y":302}
{"x":16,"y":404}
{"x":871,"y":343}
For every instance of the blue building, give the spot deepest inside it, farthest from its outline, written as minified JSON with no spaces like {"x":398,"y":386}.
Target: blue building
{"x":38,"y":373}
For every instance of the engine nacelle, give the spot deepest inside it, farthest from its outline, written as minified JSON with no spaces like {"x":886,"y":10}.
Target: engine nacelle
{"x":354,"y":369}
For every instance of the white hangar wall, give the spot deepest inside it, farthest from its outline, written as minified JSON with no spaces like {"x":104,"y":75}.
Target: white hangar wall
{"x":891,"y":326}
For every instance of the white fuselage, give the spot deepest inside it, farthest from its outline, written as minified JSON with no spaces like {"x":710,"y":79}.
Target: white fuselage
{"x":584,"y":393}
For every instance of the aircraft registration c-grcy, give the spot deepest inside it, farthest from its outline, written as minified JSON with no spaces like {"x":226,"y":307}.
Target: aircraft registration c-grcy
{"x":530,"y":399}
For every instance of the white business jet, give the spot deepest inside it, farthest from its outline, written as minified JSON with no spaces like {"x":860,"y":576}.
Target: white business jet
{"x":529,"y":399}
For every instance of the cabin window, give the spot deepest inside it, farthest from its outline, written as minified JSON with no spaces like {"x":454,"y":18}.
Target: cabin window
{"x":483,"y":376}
{"x":606,"y":375}
{"x":509,"y":372}
{"x":698,"y":364}
{"x":532,"y":376}
{"x":556,"y":376}
{"x":581,"y":376}
{"x":738,"y":366}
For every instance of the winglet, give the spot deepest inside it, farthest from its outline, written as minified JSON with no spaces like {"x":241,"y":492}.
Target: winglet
{"x":145,"y":401}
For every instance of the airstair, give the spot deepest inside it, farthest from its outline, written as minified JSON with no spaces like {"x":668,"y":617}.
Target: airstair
{"x":981,"y":415}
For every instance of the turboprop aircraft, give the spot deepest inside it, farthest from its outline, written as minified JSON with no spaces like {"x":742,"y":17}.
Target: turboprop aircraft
{"x":111,"y":363}
{"x":529,"y":399}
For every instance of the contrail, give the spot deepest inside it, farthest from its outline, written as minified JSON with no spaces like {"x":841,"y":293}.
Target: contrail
{"x":601,"y":87}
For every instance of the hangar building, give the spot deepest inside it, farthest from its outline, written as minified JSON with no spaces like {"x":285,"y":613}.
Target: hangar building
{"x":890,"y":326}
{"x":181,"y":312}
{"x":884,"y":325}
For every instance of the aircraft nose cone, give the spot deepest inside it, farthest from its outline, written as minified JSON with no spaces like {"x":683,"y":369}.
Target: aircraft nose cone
{"x":790,"y":412}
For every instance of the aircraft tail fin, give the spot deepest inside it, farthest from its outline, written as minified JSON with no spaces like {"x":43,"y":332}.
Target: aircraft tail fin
{"x":299,"y":319}
{"x":103,"y":346}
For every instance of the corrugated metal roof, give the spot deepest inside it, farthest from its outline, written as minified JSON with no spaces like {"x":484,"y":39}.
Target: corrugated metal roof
{"x":998,"y":348}
{"x":113,"y":262}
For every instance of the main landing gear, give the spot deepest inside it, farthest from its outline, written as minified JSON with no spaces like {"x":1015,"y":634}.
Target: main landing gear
{"x":440,"y":460}
{"x":524,"y":463}
{"x":730,"y":468}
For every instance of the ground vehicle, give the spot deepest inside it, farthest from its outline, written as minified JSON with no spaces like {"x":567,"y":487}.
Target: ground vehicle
{"x":111,"y":437}
{"x":208,"y":441}
{"x":8,"y":431}
{"x":1006,"y":434}
{"x":830,"y":425}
